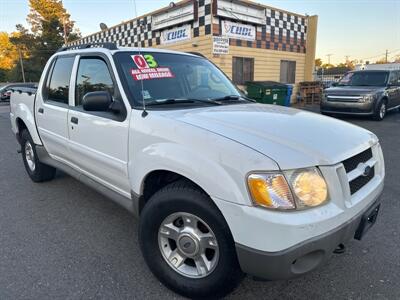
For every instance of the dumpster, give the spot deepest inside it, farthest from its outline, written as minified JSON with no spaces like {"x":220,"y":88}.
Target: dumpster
{"x":269,"y":92}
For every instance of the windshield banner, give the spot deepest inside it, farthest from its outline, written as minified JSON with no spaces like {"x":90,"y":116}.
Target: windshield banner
{"x":175,"y":35}
{"x":238,"y":31}
{"x":151,"y":73}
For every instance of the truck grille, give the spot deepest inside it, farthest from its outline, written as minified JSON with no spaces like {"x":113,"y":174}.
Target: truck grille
{"x":338,"y":98}
{"x":351,"y":164}
{"x":359,"y":182}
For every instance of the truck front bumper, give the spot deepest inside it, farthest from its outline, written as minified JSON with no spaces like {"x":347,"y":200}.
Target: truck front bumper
{"x":306,"y":256}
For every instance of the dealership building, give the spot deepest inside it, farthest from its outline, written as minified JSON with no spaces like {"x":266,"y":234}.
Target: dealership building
{"x":247,"y":40}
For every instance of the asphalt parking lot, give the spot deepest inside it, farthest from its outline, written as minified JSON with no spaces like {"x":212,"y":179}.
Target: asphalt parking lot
{"x":62,"y":240}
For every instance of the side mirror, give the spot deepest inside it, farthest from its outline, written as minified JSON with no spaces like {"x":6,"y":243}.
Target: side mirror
{"x":97,"y":101}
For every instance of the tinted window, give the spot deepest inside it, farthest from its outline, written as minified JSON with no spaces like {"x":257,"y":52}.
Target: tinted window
{"x":395,"y":78}
{"x":242,"y":70}
{"x":59,"y":81}
{"x":288,"y":71}
{"x":93,"y":75}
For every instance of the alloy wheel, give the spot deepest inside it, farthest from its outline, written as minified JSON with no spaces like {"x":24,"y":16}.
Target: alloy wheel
{"x":188,"y":245}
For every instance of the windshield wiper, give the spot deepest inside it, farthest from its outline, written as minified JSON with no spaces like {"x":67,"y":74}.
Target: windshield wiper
{"x":233,"y":97}
{"x":181,"y":101}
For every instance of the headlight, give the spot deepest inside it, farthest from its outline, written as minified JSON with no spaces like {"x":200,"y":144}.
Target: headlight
{"x":309,"y":187}
{"x":295,"y":189}
{"x":367,"y":98}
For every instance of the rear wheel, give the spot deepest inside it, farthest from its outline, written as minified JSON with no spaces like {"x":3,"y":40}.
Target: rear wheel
{"x":380,"y":111}
{"x":36,"y":170}
{"x":187,"y":244}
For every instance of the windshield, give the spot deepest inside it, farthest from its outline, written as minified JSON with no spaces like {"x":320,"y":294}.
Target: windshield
{"x":4,"y":88}
{"x":364,"y":79}
{"x":167,"y":76}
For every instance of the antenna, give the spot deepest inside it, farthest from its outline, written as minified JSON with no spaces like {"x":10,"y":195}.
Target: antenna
{"x":144,"y":113}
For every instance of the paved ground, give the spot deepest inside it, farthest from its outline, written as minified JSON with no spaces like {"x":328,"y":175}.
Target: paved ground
{"x":61,"y":240}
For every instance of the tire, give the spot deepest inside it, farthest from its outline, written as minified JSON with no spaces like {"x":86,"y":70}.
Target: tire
{"x":36,"y":170}
{"x":380,"y":111}
{"x":182,"y":200}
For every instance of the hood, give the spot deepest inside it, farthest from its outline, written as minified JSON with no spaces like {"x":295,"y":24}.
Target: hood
{"x":352,"y":90}
{"x":293,"y":138}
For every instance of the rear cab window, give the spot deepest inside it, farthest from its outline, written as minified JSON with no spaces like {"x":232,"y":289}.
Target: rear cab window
{"x":57,"y":87}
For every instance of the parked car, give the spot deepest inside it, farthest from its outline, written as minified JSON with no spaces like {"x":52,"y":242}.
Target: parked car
{"x":5,"y":91}
{"x":221,"y":185}
{"x":368,"y":92}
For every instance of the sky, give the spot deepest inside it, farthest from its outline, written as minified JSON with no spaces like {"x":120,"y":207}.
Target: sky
{"x":355,"y":28}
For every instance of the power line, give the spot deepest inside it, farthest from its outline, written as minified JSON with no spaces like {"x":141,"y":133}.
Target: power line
{"x":381,"y":54}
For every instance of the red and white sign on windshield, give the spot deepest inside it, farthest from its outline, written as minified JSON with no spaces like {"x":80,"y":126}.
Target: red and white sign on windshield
{"x":147,"y":68}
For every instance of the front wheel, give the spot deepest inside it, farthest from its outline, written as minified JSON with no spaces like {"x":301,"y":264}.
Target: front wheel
{"x":380,"y":111}
{"x":187,"y":244}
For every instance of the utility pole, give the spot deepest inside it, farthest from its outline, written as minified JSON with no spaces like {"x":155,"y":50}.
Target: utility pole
{"x":22,"y":64}
{"x":65,"y":31}
{"x":347,"y":62}
{"x":329,"y":58}
{"x":386,"y":55}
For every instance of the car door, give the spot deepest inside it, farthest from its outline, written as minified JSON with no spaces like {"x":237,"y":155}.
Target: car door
{"x":98,"y":141}
{"x":51,"y":107}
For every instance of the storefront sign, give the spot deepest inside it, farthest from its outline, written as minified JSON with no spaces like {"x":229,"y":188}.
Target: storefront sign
{"x":245,"y":11}
{"x":179,"y":14}
{"x":238,"y":31}
{"x":176,"y":35}
{"x":220,"y":45}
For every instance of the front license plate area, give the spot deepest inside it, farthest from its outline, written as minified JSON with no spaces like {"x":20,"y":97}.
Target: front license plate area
{"x":367,"y":221}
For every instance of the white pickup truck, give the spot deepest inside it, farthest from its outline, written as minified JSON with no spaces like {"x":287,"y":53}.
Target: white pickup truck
{"x":222,"y":186}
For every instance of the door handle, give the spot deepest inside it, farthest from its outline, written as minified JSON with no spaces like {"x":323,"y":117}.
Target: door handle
{"x":74,"y":120}
{"x":40,"y":110}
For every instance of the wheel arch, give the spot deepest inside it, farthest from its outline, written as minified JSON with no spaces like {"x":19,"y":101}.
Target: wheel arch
{"x":156,"y":180}
{"x":20,"y":124}
{"x":24,"y":119}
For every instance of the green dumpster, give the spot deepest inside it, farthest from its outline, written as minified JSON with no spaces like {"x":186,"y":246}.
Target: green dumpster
{"x":269,"y":92}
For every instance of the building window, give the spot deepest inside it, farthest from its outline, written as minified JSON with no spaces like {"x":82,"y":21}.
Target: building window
{"x":242,"y":70}
{"x":288,"y":71}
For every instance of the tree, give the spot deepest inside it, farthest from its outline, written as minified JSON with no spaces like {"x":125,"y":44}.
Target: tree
{"x":318,"y":62}
{"x":25,"y":42}
{"x":348,"y":64}
{"x":397,"y":58}
{"x":8,"y":52}
{"x":44,"y":12}
{"x":327,"y":66}
{"x":381,"y":61}
{"x":50,"y":28}
{"x":3,"y":75}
